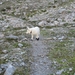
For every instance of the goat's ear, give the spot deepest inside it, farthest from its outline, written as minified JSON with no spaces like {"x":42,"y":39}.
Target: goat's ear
{"x":27,"y":27}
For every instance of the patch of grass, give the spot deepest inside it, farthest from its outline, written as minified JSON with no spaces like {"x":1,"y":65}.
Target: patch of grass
{"x":26,"y":44}
{"x":55,"y":1}
{"x":61,"y":49}
{"x":24,"y":18}
{"x":51,"y":4}
{"x":8,"y":8}
{"x":48,"y":27}
{"x":68,"y":73}
{"x":2,"y":61}
{"x":22,"y":71}
{"x":45,"y":33}
{"x":71,"y":33}
{"x":66,"y":24}
{"x":15,"y":44}
{"x":5,"y":4}
{"x":4,"y":45}
{"x":65,"y":3}
{"x":3,"y":9}
{"x":65,"y":57}
{"x":71,"y":0}
{"x":43,"y":10}
{"x":31,"y":13}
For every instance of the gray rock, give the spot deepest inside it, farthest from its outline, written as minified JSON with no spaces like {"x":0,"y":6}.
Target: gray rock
{"x":20,"y":45}
{"x":1,"y":35}
{"x":4,"y":51}
{"x":12,"y":37}
{"x":1,"y":3}
{"x":56,"y":23}
{"x":3,"y":68}
{"x":42,"y":23}
{"x":59,"y":72}
{"x":10,"y":70}
{"x":23,"y":64}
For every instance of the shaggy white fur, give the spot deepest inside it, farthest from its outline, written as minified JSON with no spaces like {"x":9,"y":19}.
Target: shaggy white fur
{"x":34,"y":31}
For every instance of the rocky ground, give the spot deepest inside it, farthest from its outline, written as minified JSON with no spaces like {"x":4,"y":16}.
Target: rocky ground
{"x":53,"y":54}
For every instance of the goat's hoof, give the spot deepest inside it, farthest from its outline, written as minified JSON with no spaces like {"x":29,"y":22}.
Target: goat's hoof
{"x":37,"y":39}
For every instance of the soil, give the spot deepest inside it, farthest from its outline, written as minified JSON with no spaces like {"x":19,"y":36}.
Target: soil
{"x":41,"y":64}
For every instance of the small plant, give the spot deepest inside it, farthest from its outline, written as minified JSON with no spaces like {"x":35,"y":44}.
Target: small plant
{"x":74,"y":20}
{"x":8,"y":7}
{"x":66,"y":24}
{"x":3,"y":9}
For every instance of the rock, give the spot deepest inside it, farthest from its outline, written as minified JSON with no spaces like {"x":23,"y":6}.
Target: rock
{"x":15,"y":22}
{"x":61,"y":38}
{"x":18,"y":49}
{"x":54,"y":38}
{"x":73,"y":14}
{"x":61,"y":10}
{"x":4,"y":51}
{"x":24,"y":39}
{"x":1,"y":3}
{"x":4,"y":57}
{"x":69,"y":18}
{"x":51,"y":24}
{"x":20,"y":45}
{"x":42,"y":23}
{"x":73,"y":5}
{"x":59,"y":72}
{"x":1,"y":35}
{"x":12,"y":37}
{"x":23,"y":64}
{"x":2,"y":68}
{"x":70,"y":69}
{"x":38,"y":17}
{"x":56,"y":23}
{"x":10,"y":70}
{"x":59,"y":19}
{"x":65,"y":0}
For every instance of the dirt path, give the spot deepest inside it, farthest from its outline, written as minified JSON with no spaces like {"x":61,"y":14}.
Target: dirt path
{"x":41,"y":65}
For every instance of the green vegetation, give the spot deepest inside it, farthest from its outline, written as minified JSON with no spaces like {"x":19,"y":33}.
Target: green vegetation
{"x":65,"y":3}
{"x":45,"y":33}
{"x":66,"y":24}
{"x":22,"y":71}
{"x":2,"y":61}
{"x":61,"y":51}
{"x":6,"y":5}
{"x":33,"y":12}
{"x":63,"y":54}
{"x":71,"y":33}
